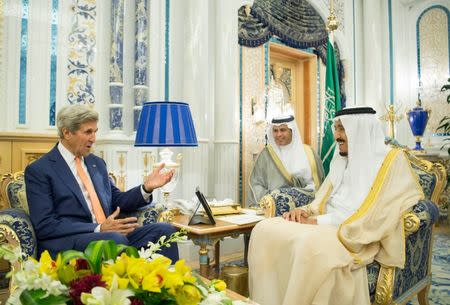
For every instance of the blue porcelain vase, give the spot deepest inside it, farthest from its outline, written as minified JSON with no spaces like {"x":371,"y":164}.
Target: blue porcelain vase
{"x":418,"y":119}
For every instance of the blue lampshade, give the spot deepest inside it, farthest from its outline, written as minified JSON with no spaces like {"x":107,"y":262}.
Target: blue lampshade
{"x":165,"y":124}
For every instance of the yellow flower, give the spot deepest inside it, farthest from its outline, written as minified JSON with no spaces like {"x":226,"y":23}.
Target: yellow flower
{"x":137,"y":269}
{"x":155,"y":280}
{"x":48,"y":265}
{"x":188,"y":295}
{"x":173,"y":281}
{"x":184,"y":271}
{"x":67,"y":274}
{"x":161,"y":261}
{"x":219,"y":285}
{"x":119,"y":268}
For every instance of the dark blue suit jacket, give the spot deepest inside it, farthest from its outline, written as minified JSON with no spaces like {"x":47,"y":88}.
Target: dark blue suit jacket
{"x":58,"y":210}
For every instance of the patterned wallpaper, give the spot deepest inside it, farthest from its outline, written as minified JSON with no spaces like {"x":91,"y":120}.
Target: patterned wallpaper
{"x":434,"y":63}
{"x":253,"y":129}
{"x":339,"y":12}
{"x":82,"y":40}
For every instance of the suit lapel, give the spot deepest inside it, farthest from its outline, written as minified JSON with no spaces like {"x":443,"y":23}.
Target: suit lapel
{"x":65,"y":174}
{"x":97,"y":180}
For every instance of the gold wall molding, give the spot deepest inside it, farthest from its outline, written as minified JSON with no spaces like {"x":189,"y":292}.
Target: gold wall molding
{"x":32,"y":137}
{"x":121,"y":177}
{"x":19,"y":150}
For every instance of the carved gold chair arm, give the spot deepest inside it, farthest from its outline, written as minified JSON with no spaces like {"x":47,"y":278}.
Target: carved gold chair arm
{"x":9,"y":237}
{"x":386,"y":277}
{"x":267,"y":204}
{"x":385,"y":286}
{"x":411,"y":223}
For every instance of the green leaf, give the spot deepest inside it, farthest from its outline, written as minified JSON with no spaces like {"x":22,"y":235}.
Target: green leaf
{"x":36,"y":297}
{"x":109,"y":250}
{"x":129,"y":250}
{"x":69,"y":255}
{"x":94,"y":254}
{"x":445,"y":118}
{"x":227,"y":302}
{"x":54,"y":300}
{"x":31,"y":297}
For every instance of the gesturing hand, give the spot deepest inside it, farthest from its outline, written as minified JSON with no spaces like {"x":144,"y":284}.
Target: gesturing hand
{"x":123,"y":226}
{"x":157,"y":178}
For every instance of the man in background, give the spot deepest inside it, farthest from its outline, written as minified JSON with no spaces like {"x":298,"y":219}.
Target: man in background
{"x":72,"y":201}
{"x":284,"y":162}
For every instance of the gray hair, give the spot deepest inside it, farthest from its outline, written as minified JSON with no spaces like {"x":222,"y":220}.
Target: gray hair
{"x":72,"y":116}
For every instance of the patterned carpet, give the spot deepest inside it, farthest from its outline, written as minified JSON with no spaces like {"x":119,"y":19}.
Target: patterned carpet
{"x":440,"y":289}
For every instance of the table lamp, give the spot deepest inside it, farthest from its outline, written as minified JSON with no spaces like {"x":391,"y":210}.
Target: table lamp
{"x":165,"y":124}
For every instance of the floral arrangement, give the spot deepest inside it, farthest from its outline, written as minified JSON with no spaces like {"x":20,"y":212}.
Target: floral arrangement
{"x":110,"y":274}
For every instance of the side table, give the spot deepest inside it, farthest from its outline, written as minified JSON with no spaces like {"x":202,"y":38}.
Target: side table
{"x":210,"y":235}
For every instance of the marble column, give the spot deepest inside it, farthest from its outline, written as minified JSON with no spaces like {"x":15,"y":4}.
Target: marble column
{"x":141,"y":59}
{"x":116,"y":66}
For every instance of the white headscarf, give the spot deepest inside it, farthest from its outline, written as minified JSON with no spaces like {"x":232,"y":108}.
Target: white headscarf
{"x":355,"y":174}
{"x":293,"y":155}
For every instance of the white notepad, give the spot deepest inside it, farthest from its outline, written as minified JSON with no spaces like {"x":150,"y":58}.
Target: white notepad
{"x":242,"y":219}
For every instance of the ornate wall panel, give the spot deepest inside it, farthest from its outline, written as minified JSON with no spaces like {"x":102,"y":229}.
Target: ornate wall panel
{"x":141,"y":59}
{"x":53,"y":61}
{"x":339,"y":9}
{"x":121,"y":166}
{"x":253,"y":110}
{"x":433,"y":54}
{"x":82,"y":40}
{"x":23,"y":62}
{"x":116,"y":65}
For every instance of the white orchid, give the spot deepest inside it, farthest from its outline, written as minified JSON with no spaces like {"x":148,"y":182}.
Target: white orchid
{"x":103,"y":296}
{"x":214,"y":298}
{"x":10,"y":254}
{"x":29,"y":278}
{"x":150,"y":253}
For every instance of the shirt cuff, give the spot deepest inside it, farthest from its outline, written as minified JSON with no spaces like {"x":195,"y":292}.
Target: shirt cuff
{"x":97,"y":229}
{"x":325,"y":219}
{"x":145,"y":194}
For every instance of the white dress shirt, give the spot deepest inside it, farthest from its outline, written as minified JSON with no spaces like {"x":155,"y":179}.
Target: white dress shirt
{"x":70,"y":160}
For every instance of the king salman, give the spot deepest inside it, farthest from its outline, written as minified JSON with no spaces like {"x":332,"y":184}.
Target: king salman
{"x":317,"y":254}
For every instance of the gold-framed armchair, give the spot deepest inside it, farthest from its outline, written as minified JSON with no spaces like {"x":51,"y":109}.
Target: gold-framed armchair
{"x":390,"y":285}
{"x":16,"y":228}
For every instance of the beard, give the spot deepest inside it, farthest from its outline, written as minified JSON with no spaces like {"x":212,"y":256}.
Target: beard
{"x":343,"y":154}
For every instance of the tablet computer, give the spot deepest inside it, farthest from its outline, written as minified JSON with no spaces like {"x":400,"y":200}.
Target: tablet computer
{"x":198,"y":219}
